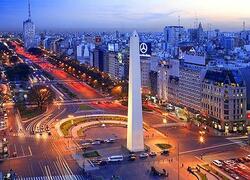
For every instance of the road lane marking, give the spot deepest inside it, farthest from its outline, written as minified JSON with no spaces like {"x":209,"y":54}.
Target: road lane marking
{"x":62,"y":170}
{"x":46,"y":171}
{"x":15,"y":148}
{"x":22,"y":150}
{"x":30,"y":150}
{"x":58,"y":170}
{"x":211,"y":147}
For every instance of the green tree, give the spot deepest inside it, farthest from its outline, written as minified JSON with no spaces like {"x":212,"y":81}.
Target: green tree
{"x":19,"y":72}
{"x":41,"y":95}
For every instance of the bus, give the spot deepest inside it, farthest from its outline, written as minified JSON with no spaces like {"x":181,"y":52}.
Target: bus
{"x":115,"y":158}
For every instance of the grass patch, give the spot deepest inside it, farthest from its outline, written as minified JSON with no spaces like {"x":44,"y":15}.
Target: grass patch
{"x":67,"y":91}
{"x":202,"y":176}
{"x":91,"y":154}
{"x":66,"y":126}
{"x":164,"y":146}
{"x":28,"y":113}
{"x":208,"y":167}
{"x":84,"y":107}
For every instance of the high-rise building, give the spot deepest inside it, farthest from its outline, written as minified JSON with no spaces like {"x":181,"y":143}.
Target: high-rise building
{"x":29,"y":32}
{"x":162,"y":81}
{"x":196,"y":35}
{"x":145,"y":70}
{"x":115,"y":65}
{"x":98,"y":58}
{"x":228,"y":43}
{"x":190,"y":85}
{"x":174,"y":34}
{"x":80,"y":53}
{"x":168,"y":81}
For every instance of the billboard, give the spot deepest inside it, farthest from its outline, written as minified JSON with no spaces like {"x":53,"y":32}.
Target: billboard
{"x":248,"y":115}
{"x":98,"y":40}
{"x":145,"y":49}
{"x":111,"y":47}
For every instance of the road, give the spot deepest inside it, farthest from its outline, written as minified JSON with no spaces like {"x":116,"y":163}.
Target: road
{"x":82,"y":89}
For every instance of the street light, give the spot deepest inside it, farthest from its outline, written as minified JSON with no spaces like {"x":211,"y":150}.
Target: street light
{"x":201,"y":139}
{"x":164,"y":120}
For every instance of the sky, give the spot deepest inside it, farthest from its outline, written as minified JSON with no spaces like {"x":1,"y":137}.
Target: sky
{"x":143,"y":15}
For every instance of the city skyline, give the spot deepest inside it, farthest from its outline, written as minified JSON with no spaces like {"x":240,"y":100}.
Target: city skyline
{"x":109,"y":15}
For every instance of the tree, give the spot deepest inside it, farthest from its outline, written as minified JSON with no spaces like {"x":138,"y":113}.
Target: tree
{"x":41,"y":96}
{"x":35,"y":51}
{"x":19,"y":72}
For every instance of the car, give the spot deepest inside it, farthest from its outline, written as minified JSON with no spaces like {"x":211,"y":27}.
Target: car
{"x":96,"y":161}
{"x":217,"y":163}
{"x":110,"y":140}
{"x":152,"y":154}
{"x":230,"y":162}
{"x":102,"y":163}
{"x":132,"y":157}
{"x":235,"y":176}
{"x":86,"y":144}
{"x":101,"y":140}
{"x":155,"y":172}
{"x":96,"y":143}
{"x":246,"y":159}
{"x":240,"y":160}
{"x":165,"y":152}
{"x":143,"y":155}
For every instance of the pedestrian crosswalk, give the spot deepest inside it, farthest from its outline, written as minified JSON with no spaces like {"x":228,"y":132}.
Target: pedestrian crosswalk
{"x":66,"y":177}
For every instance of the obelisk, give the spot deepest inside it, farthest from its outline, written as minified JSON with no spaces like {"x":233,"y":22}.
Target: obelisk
{"x":135,"y":141}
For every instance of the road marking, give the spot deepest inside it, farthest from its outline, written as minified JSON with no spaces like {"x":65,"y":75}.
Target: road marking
{"x":211,"y":147}
{"x":46,"y":171}
{"x":67,"y":177}
{"x":22,"y":150}
{"x":237,"y":138}
{"x":30,"y":150}
{"x":15,"y":148}
{"x":19,"y":157}
{"x":57,"y":168}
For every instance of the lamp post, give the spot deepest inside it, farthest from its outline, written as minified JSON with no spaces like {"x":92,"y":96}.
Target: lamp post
{"x":178,"y":156}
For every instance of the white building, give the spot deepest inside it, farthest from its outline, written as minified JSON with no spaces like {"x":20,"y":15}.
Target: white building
{"x":162,"y":81}
{"x":224,"y":99}
{"x":80,"y":52}
{"x":190,"y":85}
{"x":115,"y":65}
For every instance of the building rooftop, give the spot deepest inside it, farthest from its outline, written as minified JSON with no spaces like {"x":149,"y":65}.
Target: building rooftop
{"x":224,"y":76}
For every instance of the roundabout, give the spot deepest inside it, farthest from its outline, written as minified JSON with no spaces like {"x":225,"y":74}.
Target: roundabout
{"x":73,"y":126}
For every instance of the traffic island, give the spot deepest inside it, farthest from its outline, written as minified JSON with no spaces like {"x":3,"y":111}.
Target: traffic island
{"x":91,"y":154}
{"x":164,"y":146}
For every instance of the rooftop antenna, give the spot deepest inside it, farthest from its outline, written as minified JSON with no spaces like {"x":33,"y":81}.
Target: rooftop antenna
{"x":244,"y":26}
{"x":196,"y":24}
{"x":179,"y":24}
{"x":29,"y":9}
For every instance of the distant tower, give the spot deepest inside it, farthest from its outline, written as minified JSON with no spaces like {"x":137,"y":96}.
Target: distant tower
{"x":135,"y":141}
{"x":29,"y":31}
{"x":179,"y":25}
{"x":244,"y":26}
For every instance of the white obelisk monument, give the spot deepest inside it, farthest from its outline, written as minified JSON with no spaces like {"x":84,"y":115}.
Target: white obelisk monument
{"x":135,"y":141}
